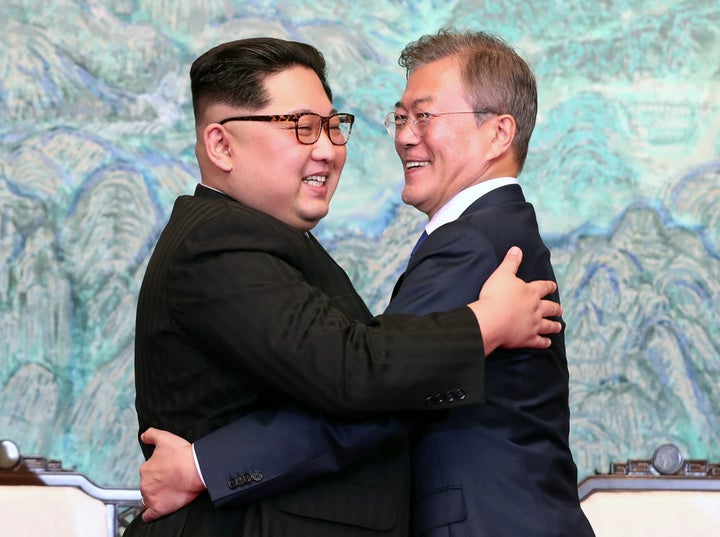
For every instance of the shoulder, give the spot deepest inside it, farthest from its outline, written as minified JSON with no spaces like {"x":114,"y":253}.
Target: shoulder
{"x":498,"y":219}
{"x":461,"y":245}
{"x":227,"y":217}
{"x":202,"y":224}
{"x":465,"y":233}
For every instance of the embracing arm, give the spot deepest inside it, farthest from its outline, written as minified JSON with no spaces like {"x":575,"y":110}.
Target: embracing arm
{"x":169,"y":477}
{"x":512,"y":313}
{"x":289,"y":318}
{"x":290,"y":445}
{"x":235,"y":470}
{"x":236,"y":298}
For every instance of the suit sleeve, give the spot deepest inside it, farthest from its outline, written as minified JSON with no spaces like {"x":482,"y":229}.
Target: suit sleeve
{"x":448,"y":272}
{"x":238,"y":471}
{"x":246,"y":298}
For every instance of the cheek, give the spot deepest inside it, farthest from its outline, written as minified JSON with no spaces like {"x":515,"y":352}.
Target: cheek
{"x":341,"y":157}
{"x":440,"y":141}
{"x":286,"y":162}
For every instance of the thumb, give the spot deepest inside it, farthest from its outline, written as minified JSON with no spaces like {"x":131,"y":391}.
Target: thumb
{"x":512,"y":260}
{"x":150,"y":436}
{"x":150,"y":515}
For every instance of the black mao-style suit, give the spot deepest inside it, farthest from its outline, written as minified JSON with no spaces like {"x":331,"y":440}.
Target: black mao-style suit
{"x":239,"y":312}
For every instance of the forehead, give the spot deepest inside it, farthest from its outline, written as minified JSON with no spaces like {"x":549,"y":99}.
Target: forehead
{"x":296,"y":89}
{"x":436,"y":83}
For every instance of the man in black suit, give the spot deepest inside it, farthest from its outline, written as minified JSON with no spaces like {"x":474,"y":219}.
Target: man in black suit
{"x":242,"y":310}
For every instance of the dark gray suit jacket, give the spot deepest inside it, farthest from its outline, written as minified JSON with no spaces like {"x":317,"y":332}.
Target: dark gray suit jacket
{"x":239,"y":312}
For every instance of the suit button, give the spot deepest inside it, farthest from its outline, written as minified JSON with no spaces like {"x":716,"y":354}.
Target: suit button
{"x":232,"y":483}
{"x":449,"y":397}
{"x":460,"y":394}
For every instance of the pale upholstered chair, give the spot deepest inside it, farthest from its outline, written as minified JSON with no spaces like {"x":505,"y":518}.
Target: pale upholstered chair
{"x":666,"y":496}
{"x":40,"y":499}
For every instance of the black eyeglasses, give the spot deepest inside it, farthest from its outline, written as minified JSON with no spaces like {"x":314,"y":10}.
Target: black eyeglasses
{"x":419,"y":121}
{"x":308,"y":125}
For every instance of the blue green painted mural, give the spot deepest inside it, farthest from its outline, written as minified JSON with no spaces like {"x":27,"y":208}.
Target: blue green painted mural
{"x":96,"y":141}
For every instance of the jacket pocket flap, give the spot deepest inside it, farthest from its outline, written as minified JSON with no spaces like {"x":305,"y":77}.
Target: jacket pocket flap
{"x":355,"y":504}
{"x":439,"y":508}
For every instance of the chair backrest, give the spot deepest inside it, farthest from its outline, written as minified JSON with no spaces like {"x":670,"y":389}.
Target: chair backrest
{"x":39,"y":498}
{"x":665,"y":496}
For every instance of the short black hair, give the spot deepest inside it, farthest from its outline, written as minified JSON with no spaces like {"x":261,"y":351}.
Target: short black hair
{"x":233,"y":73}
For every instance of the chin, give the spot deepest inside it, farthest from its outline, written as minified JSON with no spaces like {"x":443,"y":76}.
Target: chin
{"x":312,"y":221}
{"x":407,"y":198}
{"x":319,"y":214}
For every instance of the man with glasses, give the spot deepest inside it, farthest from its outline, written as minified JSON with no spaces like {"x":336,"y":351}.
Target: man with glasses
{"x":462,"y":129}
{"x":242,"y":310}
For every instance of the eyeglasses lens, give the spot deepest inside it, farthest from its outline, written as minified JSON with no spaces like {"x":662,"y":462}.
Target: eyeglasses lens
{"x":338,"y":128}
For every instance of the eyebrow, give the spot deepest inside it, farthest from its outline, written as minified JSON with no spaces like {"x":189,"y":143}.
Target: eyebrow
{"x":415,"y":103}
{"x":308,"y":111}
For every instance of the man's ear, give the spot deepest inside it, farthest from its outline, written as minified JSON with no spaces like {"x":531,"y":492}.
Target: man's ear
{"x":217,"y":146}
{"x":504,"y":134}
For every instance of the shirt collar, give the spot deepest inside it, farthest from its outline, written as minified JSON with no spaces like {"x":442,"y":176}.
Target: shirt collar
{"x":452,"y":210}
{"x":306,"y":233}
{"x":213,"y":188}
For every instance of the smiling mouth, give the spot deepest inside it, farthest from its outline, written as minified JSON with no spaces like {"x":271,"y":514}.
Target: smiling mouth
{"x":415,"y":164}
{"x":314,"y":180}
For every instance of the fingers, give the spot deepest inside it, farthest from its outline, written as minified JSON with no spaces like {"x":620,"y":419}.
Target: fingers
{"x":549,"y":327}
{"x":150,"y":514}
{"x":146,"y":517}
{"x":540,"y":342}
{"x":512,"y":260}
{"x":153,"y":436}
{"x":150,"y":436}
{"x":550,"y":288}
{"x":548,"y":308}
{"x":149,"y":499}
{"x":543,"y":287}
{"x":546,"y":327}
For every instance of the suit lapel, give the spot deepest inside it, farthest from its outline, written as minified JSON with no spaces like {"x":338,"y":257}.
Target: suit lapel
{"x":398,"y":283}
{"x":505,"y":194}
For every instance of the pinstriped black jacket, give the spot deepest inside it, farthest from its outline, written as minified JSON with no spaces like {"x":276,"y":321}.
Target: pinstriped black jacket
{"x":239,"y":312}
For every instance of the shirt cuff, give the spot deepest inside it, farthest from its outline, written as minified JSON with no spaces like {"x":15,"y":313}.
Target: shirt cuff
{"x":197,"y":466}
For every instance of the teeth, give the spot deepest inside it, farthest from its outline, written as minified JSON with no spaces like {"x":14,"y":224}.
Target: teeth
{"x":414,"y":164}
{"x":315,"y":180}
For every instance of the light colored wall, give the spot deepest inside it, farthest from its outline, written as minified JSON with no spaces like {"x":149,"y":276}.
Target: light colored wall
{"x":96,"y":141}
